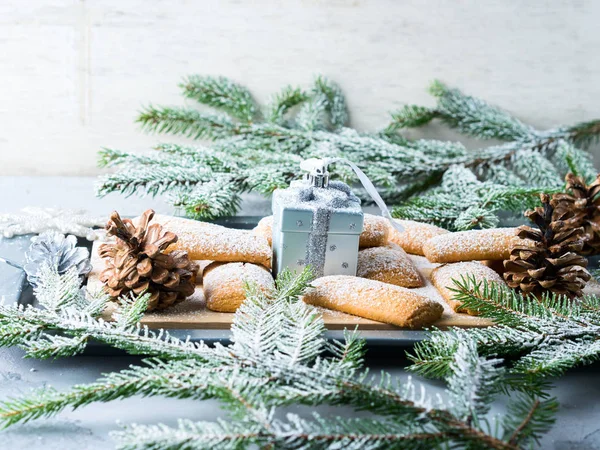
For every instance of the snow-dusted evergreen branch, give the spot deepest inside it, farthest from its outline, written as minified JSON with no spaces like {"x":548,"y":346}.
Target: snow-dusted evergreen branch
{"x":548,"y":336}
{"x":313,"y":123}
{"x":276,"y":360}
{"x":221,"y":93}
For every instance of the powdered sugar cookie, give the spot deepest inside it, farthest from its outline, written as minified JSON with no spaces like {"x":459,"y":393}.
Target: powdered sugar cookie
{"x":442,"y":277}
{"x":472,"y":245}
{"x":389,"y":264}
{"x":375,"y":231}
{"x":415,"y":234}
{"x":374,"y":300}
{"x":224,"y":284}
{"x":216,"y":243}
{"x":264,"y":228}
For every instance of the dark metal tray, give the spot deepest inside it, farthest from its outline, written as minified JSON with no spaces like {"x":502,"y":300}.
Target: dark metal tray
{"x":15,"y":289}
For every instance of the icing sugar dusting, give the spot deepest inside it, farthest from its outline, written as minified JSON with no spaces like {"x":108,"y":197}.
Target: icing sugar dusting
{"x":415,"y":234}
{"x":375,"y":232}
{"x":236,"y":274}
{"x":213,"y":242}
{"x":388,"y":264}
{"x":374,"y":300}
{"x":494,"y":243}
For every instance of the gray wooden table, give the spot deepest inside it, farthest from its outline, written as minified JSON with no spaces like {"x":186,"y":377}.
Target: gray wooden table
{"x":577,"y":427}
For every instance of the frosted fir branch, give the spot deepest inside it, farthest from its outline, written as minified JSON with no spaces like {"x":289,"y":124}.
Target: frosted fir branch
{"x":275,"y":360}
{"x":221,"y":93}
{"x":568,"y":158}
{"x":312,"y":115}
{"x":411,"y":116}
{"x":294,"y":432}
{"x":151,"y":180}
{"x":207,"y":201}
{"x":548,"y":335}
{"x":108,"y":157}
{"x":475,"y":117}
{"x":18,"y":326}
{"x":186,"y":122}
{"x":535,"y":169}
{"x":334,"y":100}
{"x":282,"y":102}
{"x":463,"y":202}
{"x":529,"y":419}
{"x":474,"y":381}
{"x":584,"y":134}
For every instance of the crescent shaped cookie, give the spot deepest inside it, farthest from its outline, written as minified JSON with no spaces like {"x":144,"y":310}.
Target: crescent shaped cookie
{"x":216,"y":243}
{"x":224,"y":284}
{"x":442,"y":277}
{"x":374,"y":300}
{"x":375,"y":231}
{"x":473,"y":245}
{"x":415,"y":234}
{"x":389,"y":264}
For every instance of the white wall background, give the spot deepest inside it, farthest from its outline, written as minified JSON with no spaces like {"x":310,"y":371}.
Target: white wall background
{"x":73,"y":73}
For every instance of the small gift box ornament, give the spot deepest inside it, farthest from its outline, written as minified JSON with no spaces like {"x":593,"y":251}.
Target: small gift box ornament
{"x":318,"y":222}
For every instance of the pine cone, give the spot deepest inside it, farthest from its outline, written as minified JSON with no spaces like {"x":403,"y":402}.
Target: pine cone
{"x":547,"y":259}
{"x":137,"y":262}
{"x":583,"y":202}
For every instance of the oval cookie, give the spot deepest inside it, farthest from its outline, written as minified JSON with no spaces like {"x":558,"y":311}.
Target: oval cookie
{"x":389,"y":264}
{"x":375,"y":231}
{"x":374,"y":300}
{"x":473,"y":245}
{"x":224,"y":284}
{"x":415,"y":234}
{"x":216,"y":243}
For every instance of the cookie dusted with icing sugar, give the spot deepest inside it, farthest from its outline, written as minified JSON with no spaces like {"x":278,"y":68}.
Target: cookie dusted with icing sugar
{"x":264,"y":228}
{"x":389,"y":264}
{"x":374,"y":300}
{"x":224,"y":284}
{"x":375,"y":232}
{"x":216,"y":243}
{"x":415,"y":234}
{"x":442,"y":277}
{"x":473,"y":245}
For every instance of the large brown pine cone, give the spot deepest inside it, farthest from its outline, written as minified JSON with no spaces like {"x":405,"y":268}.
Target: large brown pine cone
{"x":136,"y":262}
{"x":548,"y":259}
{"x":583,"y":202}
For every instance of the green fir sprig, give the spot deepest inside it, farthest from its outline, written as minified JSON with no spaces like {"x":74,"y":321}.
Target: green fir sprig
{"x":278,"y":358}
{"x":297,"y":124}
{"x":543,"y":337}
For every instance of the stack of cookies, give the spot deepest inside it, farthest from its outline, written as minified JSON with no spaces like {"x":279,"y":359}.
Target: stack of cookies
{"x":386,"y":287}
{"x":387,"y":276}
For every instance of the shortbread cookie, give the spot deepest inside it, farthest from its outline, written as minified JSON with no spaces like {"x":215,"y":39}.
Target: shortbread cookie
{"x":264,"y":228}
{"x":442,"y":277}
{"x":375,"y":231}
{"x":224,"y":284}
{"x":471,"y":245}
{"x":216,"y":243}
{"x":415,"y":234}
{"x":374,"y":300}
{"x":389,"y":264}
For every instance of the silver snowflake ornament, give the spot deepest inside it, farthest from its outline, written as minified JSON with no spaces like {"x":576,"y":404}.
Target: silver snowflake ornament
{"x":37,"y":220}
{"x":54,"y":249}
